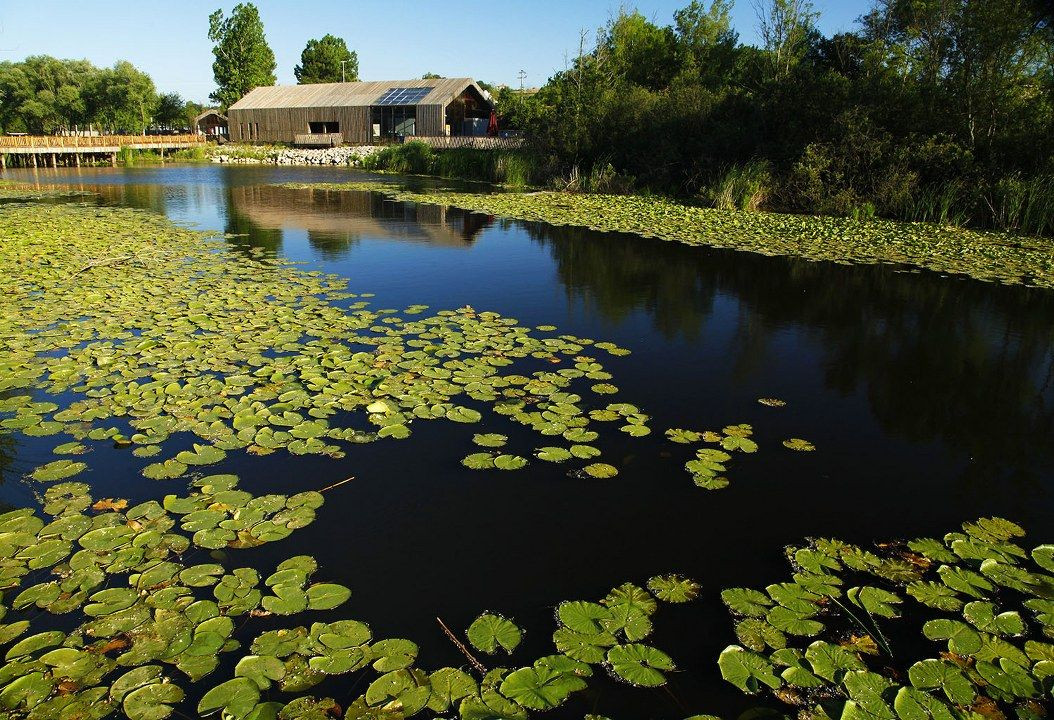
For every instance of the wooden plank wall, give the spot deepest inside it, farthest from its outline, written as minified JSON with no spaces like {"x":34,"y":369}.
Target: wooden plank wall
{"x":431,"y":120}
{"x":284,"y":124}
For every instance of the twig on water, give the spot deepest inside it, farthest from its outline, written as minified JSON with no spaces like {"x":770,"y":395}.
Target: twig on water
{"x":337,"y":484}
{"x":105,"y":261}
{"x":461,"y":646}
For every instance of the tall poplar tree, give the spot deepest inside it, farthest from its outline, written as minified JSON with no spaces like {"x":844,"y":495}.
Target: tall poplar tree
{"x":244,"y":60}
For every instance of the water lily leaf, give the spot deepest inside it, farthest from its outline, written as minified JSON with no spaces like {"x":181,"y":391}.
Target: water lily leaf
{"x":449,"y":686}
{"x":540,"y":688}
{"x":600,"y":470}
{"x":152,"y":702}
{"x":793,"y":622}
{"x":326,"y":596}
{"x":982,"y":615}
{"x":478,"y":461}
{"x":488,"y":632}
{"x":287,"y":600}
{"x":746,"y":601}
{"x":914,"y":704}
{"x":799,"y":445}
{"x":509,"y":462}
{"x":679,"y":435}
{"x":875,"y":600}
{"x":202,"y":455}
{"x":742,"y":444}
{"x":409,"y":688}
{"x":935,"y":595}
{"x":393,"y":654}
{"x":746,"y":670}
{"x":166,"y":470}
{"x":1044,"y":557}
{"x":463,"y":415}
{"x":553,"y":454}
{"x":584,"y":647}
{"x":962,"y":639}
{"x":34,"y":643}
{"x":236,"y":698}
{"x":489,"y":439}
{"x":757,"y":634}
{"x":965,"y":581}
{"x":942,"y":675}
{"x":674,"y":588}
{"x":261,"y":669}
{"x":58,"y":470}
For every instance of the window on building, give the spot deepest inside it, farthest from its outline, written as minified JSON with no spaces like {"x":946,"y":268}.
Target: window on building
{"x":394,"y":121}
{"x":330,"y":126}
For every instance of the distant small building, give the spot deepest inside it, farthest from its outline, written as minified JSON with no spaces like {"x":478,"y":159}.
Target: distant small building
{"x":361,"y":112}
{"x":212,"y":123}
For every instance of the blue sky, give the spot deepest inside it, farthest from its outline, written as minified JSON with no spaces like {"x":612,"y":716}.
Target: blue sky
{"x":487,"y":39}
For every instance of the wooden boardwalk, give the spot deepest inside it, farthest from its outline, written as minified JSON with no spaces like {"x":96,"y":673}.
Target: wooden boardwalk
{"x":28,"y":148}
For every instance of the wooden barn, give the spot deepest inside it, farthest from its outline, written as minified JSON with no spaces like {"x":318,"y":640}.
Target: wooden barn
{"x":360,"y":112}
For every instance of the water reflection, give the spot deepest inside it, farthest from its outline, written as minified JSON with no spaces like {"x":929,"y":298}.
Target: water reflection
{"x":967,"y":363}
{"x":337,"y":220}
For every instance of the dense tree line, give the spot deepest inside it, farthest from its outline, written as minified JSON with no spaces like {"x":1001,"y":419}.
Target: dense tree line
{"x":929,"y":110}
{"x":43,"y":95}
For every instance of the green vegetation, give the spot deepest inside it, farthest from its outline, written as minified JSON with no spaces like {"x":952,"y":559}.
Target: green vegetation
{"x":244,"y":60}
{"x":990,"y":256}
{"x":513,"y":168}
{"x":321,"y":62}
{"x":821,"y":642}
{"x":938,"y":111}
{"x":43,"y":95}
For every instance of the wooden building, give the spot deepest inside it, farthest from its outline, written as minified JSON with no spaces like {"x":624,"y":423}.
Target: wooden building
{"x":360,"y":112}
{"x":212,"y":123}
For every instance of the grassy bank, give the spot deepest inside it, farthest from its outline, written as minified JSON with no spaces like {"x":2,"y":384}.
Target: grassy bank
{"x":989,"y":256}
{"x":513,"y":168}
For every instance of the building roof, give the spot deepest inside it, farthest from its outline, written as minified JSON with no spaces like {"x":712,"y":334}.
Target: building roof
{"x":210,"y":111}
{"x":440,"y":91}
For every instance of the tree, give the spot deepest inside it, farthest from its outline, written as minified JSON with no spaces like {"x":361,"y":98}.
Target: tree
{"x":122,"y":97}
{"x":320,"y":62}
{"x":244,"y":60}
{"x":170,"y":110}
{"x":785,"y":27}
{"x":431,"y":76}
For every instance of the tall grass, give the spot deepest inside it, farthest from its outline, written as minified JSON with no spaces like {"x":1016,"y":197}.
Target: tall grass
{"x":1024,"y":205}
{"x":509,"y":167}
{"x":740,"y":187}
{"x":198,"y":153}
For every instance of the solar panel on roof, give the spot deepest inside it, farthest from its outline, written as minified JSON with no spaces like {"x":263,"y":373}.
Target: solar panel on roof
{"x":403,"y":96}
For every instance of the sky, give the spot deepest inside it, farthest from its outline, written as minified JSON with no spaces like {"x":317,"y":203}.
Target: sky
{"x":395,"y":39}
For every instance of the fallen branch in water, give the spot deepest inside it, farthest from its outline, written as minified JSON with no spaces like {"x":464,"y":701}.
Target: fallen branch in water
{"x":103,"y":262}
{"x":337,"y":484}
{"x":461,"y":646}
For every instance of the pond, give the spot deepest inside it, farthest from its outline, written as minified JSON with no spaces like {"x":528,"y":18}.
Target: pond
{"x":930,"y":400}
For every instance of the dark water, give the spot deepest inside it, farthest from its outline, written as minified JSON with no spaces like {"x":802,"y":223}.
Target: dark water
{"x":930,"y":399}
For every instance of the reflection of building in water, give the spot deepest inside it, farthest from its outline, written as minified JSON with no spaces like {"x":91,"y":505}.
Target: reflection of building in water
{"x":349,"y":215}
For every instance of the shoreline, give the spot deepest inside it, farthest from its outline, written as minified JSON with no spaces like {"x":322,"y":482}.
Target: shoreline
{"x":984,"y":255}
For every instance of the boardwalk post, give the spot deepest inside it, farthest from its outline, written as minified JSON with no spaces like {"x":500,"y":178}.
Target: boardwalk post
{"x":34,"y":156}
{"x":113,"y":159}
{"x":3,"y":161}
{"x":76,"y":159}
{"x":54,"y":160}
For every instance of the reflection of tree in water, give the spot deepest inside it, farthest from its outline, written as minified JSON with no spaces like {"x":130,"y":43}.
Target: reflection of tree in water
{"x":246,"y":234}
{"x":331,"y":245}
{"x":622,"y":275}
{"x":950,"y":359}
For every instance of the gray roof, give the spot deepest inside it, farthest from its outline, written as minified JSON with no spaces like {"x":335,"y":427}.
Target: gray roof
{"x":443,"y":90}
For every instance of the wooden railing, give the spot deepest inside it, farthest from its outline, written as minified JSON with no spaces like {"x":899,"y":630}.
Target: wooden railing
{"x":108,"y":141}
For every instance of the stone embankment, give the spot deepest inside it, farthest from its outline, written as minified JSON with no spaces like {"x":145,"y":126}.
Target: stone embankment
{"x":350,"y":155}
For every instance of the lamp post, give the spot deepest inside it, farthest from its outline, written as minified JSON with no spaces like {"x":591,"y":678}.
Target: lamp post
{"x":342,"y":69}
